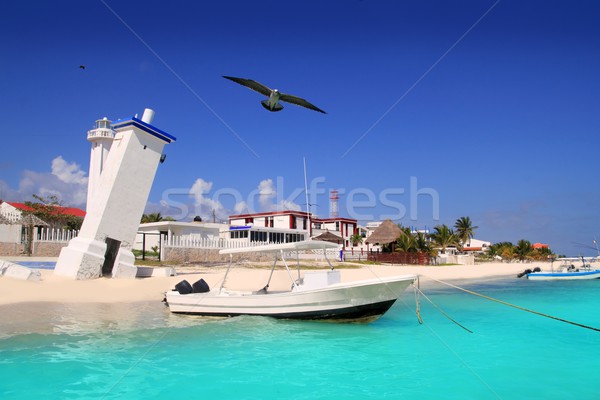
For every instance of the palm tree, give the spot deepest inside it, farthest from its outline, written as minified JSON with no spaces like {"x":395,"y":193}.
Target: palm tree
{"x":356,"y":239}
{"x":523,"y":249}
{"x":406,"y":243}
{"x":464,"y":230}
{"x":152,"y":217}
{"x":423,"y":245}
{"x":443,"y":237}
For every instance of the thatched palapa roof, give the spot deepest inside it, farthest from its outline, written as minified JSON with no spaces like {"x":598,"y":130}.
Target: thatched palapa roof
{"x":32,"y":220}
{"x":329,"y":237}
{"x":385,"y":233}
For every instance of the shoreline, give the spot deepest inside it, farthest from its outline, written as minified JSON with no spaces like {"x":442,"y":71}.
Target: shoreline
{"x":57,"y":304}
{"x":53,"y":288}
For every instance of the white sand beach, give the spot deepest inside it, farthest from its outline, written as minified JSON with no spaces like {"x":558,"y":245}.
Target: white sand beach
{"x":53,"y":288}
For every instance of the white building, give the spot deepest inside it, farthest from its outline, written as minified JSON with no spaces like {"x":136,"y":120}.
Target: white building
{"x":289,"y":226}
{"x":154,"y":234}
{"x":274,"y":227}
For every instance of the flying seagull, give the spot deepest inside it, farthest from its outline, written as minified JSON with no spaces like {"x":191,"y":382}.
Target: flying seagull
{"x":275,"y":96}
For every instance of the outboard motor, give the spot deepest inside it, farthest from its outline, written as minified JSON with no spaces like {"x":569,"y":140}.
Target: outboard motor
{"x":522,"y":274}
{"x":184,"y":287}
{"x":537,"y":269}
{"x":200,"y":286}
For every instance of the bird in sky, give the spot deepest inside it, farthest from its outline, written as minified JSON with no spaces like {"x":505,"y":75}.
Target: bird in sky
{"x":275,"y":96}
{"x":82,"y":67}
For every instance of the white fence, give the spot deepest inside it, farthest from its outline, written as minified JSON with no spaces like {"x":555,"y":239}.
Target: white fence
{"x":207,"y":243}
{"x":54,"y":235}
{"x":221,"y":243}
{"x":13,"y":217}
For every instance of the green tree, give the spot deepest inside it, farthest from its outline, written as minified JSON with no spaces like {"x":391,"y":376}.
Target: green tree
{"x":356,"y":239}
{"x":423,"y":245}
{"x":523,"y":249}
{"x":443,"y":237}
{"x":51,"y":210}
{"x":155,"y":217}
{"x":406,"y":243}
{"x":464,"y":229}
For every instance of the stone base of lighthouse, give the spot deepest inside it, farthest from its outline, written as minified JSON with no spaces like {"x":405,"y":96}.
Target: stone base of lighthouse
{"x":87,"y":258}
{"x":81,"y":259}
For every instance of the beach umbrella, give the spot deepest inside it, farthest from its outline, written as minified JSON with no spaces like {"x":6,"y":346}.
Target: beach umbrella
{"x":329,"y":237}
{"x":32,"y":220}
{"x":385,"y":233}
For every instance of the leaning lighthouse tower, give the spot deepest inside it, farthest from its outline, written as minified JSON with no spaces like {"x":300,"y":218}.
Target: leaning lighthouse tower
{"x":102,"y":137}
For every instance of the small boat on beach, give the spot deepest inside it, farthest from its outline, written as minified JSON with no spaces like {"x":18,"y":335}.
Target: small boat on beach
{"x":566,"y":271}
{"x":317,"y":295}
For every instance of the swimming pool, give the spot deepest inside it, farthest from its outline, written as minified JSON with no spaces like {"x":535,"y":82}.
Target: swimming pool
{"x":38,"y":264}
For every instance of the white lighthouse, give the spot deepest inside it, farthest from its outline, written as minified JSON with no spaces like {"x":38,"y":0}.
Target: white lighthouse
{"x":115,"y":207}
{"x":102,"y":137}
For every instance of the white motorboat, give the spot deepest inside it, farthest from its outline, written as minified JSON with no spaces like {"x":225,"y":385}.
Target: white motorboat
{"x":567,"y":270}
{"x":315,"y":295}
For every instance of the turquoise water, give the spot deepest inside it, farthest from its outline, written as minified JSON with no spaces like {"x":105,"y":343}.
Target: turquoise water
{"x":85,"y":353}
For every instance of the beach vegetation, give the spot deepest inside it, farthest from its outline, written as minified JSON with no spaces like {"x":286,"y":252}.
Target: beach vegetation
{"x":356,"y":239}
{"x":522,"y":251}
{"x":155,"y":217}
{"x":464,"y":230}
{"x":50,"y":210}
{"x":443,"y":237}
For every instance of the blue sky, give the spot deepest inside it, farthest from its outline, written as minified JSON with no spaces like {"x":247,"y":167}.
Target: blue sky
{"x":435,"y":109}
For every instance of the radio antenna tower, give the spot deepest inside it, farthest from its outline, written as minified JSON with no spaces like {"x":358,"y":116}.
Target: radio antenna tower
{"x":333,"y":204}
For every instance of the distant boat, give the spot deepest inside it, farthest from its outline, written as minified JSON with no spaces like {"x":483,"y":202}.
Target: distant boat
{"x":318,"y":295}
{"x":567,"y":270}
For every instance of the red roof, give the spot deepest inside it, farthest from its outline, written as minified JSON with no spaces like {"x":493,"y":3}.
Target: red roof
{"x":472,"y":248}
{"x":77,"y":212}
{"x":540,"y":246}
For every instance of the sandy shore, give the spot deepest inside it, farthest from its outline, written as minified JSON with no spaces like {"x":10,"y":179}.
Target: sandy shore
{"x":53,"y":288}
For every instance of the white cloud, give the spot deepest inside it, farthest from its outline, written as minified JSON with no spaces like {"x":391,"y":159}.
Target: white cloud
{"x":68,"y":173}
{"x":67,"y":181}
{"x":289,"y":205}
{"x":205,"y":205}
{"x":200,"y":188}
{"x":241,"y":207}
{"x":266,"y":192}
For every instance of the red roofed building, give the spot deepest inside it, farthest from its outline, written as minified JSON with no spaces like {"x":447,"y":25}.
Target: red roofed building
{"x":540,"y":246}
{"x":13,"y":210}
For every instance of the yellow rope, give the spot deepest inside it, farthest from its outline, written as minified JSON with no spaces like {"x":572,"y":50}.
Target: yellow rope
{"x":516,"y":306}
{"x":443,"y":313}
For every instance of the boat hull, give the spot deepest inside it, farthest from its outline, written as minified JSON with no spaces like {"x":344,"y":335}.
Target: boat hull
{"x":361,"y":300}
{"x":579,"y":275}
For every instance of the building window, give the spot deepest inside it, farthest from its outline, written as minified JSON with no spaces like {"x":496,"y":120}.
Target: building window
{"x":238,"y":234}
{"x":258,"y":236}
{"x":276,"y":237}
{"x":337,"y":225}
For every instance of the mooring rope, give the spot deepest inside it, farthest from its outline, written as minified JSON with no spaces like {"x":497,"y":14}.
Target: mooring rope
{"x":516,"y":306}
{"x":442,"y":311}
{"x":418,"y":302}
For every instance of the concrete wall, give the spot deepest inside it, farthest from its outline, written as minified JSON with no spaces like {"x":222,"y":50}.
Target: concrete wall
{"x":10,"y":233}
{"x":179,"y":255}
{"x":40,"y":249}
{"x":11,"y":249}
